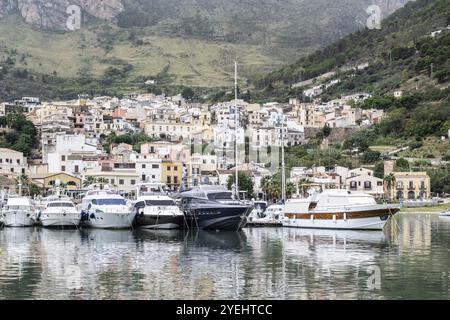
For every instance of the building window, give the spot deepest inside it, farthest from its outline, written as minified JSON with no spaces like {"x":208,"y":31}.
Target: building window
{"x":113,"y":181}
{"x":63,"y":168}
{"x":133,"y":182}
{"x":144,"y":166}
{"x":143,"y":178}
{"x":175,"y":168}
{"x":121,"y":182}
{"x":367,"y":185}
{"x":169,"y":180}
{"x":353,"y":185}
{"x":168,"y":168}
{"x":77,"y":169}
{"x":175,"y":180}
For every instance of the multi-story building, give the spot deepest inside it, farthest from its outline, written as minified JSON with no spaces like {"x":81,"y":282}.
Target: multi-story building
{"x":172,"y":174}
{"x":411,"y":185}
{"x":12,"y":162}
{"x":363,"y":180}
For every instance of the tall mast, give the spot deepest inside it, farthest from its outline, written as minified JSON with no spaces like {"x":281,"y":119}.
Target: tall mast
{"x":283,"y":169}
{"x":236,"y":124}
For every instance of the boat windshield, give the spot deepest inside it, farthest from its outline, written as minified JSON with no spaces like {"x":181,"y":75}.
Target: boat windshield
{"x":220,"y":196}
{"x":109,"y":202}
{"x":260,"y":206}
{"x":60,"y":205}
{"x":160,"y":203}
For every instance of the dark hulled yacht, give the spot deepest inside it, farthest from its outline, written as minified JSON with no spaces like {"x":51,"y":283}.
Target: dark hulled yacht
{"x":210,"y":207}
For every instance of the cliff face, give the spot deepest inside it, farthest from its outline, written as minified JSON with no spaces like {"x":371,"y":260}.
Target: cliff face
{"x":48,"y":14}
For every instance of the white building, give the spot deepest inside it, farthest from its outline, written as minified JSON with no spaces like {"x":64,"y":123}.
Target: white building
{"x":12,"y":162}
{"x":68,"y":155}
{"x":148,"y":168}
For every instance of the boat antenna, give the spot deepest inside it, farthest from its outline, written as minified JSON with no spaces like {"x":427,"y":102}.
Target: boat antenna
{"x":236,"y":124}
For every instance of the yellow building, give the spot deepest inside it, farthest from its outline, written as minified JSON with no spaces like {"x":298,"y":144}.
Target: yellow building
{"x":172,"y":174}
{"x":411,"y":185}
{"x":48,"y":181}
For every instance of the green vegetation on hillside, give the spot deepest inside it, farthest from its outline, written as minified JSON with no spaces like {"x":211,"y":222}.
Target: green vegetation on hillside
{"x":400,"y":50}
{"x":18,"y":133}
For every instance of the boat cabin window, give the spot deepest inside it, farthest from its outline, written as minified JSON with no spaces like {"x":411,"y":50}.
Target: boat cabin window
{"x":109,"y":202}
{"x":17,"y":208}
{"x":140,"y":205}
{"x":260,"y":206}
{"x":60,"y":205}
{"x":160,"y":203}
{"x":220,"y":196}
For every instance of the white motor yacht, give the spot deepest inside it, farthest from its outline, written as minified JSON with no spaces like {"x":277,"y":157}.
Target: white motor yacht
{"x":154,"y":209}
{"x":59,"y":211}
{"x":338,"y":209}
{"x":18,"y":212}
{"x":106,"y":209}
{"x":258,"y":210}
{"x":273,"y":216}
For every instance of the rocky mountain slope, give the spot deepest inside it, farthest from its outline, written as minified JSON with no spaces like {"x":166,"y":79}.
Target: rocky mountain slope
{"x":48,"y":14}
{"x":183,"y":42}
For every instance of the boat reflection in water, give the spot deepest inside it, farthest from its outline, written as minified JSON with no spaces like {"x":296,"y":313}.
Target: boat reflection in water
{"x":257,"y":263}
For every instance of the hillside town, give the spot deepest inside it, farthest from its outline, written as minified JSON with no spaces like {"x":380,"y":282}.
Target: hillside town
{"x":188,"y":144}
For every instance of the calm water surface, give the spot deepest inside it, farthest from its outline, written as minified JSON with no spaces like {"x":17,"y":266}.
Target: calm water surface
{"x":412,"y":257}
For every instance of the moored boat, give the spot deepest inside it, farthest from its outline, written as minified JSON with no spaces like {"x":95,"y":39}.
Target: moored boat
{"x":106,"y":209}
{"x":213,"y":208}
{"x":59,"y":211}
{"x":338,"y":209}
{"x":445,"y":214}
{"x":154,"y":209}
{"x":18,"y":212}
{"x":272,"y":217}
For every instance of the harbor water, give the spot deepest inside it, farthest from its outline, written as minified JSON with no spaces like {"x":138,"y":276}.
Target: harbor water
{"x":409,"y":260}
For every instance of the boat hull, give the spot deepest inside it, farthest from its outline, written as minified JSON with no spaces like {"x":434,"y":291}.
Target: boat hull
{"x":165,"y":222}
{"x":375,"y":219}
{"x":212,"y":218}
{"x":18,"y":219}
{"x":110,"y":220}
{"x":50,"y":220}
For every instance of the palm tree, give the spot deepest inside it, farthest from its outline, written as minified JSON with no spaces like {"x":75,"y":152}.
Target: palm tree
{"x":389,"y":183}
{"x":24,"y":180}
{"x":290,"y":189}
{"x":102,"y":182}
{"x":89,"y":180}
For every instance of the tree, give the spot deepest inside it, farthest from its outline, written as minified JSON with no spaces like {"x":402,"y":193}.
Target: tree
{"x":89,"y":181}
{"x":379,"y":170}
{"x":271,"y":186}
{"x":245,"y":183}
{"x":370,"y":157}
{"x":389,"y":183}
{"x":402,"y":165}
{"x":326,"y":131}
{"x":188,"y":93}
